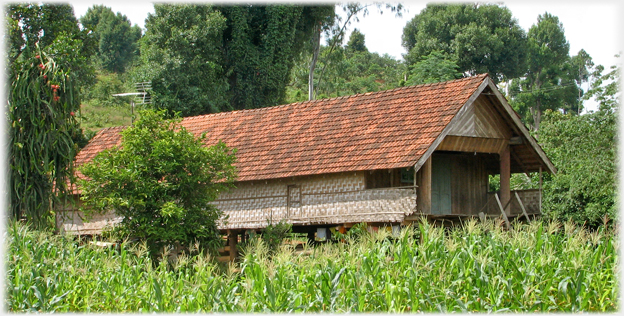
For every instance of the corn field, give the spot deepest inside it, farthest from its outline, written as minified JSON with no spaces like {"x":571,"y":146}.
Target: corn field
{"x":478,"y":267}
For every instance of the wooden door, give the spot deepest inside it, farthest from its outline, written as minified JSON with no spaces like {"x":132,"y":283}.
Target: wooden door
{"x":441,"y":185}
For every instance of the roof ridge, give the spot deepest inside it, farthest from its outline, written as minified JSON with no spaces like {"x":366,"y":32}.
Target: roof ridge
{"x":310,"y":102}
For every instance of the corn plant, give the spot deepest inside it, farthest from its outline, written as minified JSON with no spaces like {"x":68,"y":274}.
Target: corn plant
{"x":478,"y":267}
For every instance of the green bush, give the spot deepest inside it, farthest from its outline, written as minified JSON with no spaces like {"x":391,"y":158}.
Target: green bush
{"x":161,"y":180}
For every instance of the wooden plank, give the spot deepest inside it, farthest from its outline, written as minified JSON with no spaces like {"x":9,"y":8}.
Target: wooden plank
{"x":522,"y":207}
{"x":473,"y":144}
{"x":500,"y":206}
{"x":488,"y":121}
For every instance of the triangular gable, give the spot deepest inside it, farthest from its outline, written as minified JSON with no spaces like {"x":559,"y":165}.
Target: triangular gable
{"x":487,"y":114}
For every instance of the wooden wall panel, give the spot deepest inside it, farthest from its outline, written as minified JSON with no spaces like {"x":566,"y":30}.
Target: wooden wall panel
{"x":469,"y":183}
{"x":481,"y":119}
{"x":465,"y":126}
{"x":488,"y":123}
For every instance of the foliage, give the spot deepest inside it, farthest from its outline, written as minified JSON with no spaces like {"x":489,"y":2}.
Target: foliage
{"x":347,"y":71}
{"x":274,"y":234}
{"x":107,"y":84}
{"x":54,"y":29}
{"x":161,"y":180}
{"x":480,"y":38}
{"x":541,"y":267}
{"x":261,"y":44}
{"x":181,"y":56}
{"x":550,"y":81}
{"x":205,"y":59}
{"x":605,"y":89}
{"x":433,"y":68}
{"x":357,"y":42}
{"x":43,"y":99}
{"x":115,"y":36}
{"x":583,"y":148}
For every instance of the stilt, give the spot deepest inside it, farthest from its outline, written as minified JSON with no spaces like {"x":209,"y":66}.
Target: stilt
{"x":233,"y":241}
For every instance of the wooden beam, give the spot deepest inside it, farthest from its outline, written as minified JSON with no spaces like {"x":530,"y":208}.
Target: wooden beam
{"x":424,"y":190}
{"x":524,"y":168}
{"x":233,"y":241}
{"x":505,"y":176}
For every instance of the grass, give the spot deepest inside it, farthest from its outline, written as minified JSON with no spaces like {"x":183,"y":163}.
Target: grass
{"x":94,"y":118}
{"x":543,"y":266}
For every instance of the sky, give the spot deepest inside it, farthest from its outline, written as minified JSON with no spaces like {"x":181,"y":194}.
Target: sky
{"x":590,"y":25}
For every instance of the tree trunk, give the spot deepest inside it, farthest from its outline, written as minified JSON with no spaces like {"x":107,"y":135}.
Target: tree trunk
{"x":315,"y":53}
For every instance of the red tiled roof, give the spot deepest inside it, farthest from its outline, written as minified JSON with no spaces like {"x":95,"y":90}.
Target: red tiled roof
{"x":380,"y":130}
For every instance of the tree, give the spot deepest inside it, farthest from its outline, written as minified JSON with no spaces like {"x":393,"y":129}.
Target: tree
{"x":550,"y":81}
{"x":115,"y":36}
{"x":42,"y":101}
{"x":481,"y":38}
{"x":261,"y":45}
{"x":204,"y":59}
{"x":357,"y":42}
{"x":47,"y":65}
{"x":583,"y":148}
{"x":181,"y":56}
{"x":161,"y":179}
{"x":335,"y":31}
{"x":348,"y":72}
{"x":433,"y":68}
{"x":53,"y":28}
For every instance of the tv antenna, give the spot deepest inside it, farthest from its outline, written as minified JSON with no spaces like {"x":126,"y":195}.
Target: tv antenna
{"x":142,"y":91}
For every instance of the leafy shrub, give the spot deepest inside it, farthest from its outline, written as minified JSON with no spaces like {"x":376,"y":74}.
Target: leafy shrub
{"x":161,"y":180}
{"x":274,"y":234}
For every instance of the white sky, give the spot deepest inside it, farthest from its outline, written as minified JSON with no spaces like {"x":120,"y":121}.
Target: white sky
{"x":593,"y":26}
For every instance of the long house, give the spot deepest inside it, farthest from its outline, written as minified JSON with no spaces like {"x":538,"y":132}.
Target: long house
{"x":385,"y":158}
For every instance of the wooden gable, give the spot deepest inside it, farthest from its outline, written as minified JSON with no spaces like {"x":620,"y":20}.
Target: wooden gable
{"x":481,"y":120}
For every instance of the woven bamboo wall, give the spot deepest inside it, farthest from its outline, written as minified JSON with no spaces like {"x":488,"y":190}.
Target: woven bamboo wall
{"x":75,"y":222}
{"x":314,"y":200}
{"x":324,"y":199}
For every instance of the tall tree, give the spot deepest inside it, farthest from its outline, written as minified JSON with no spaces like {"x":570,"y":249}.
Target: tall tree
{"x":433,"y":68}
{"x":261,"y":45}
{"x":550,"y":81}
{"x":115,"y":36}
{"x":204,"y":59}
{"x":181,"y":55}
{"x":481,"y":38}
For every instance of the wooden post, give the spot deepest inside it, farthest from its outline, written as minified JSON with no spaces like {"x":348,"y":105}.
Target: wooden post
{"x":424,"y":192}
{"x":540,"y":189}
{"x":500,"y":206}
{"x":505,"y":174}
{"x":233,"y":240}
{"x":522,"y":207}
